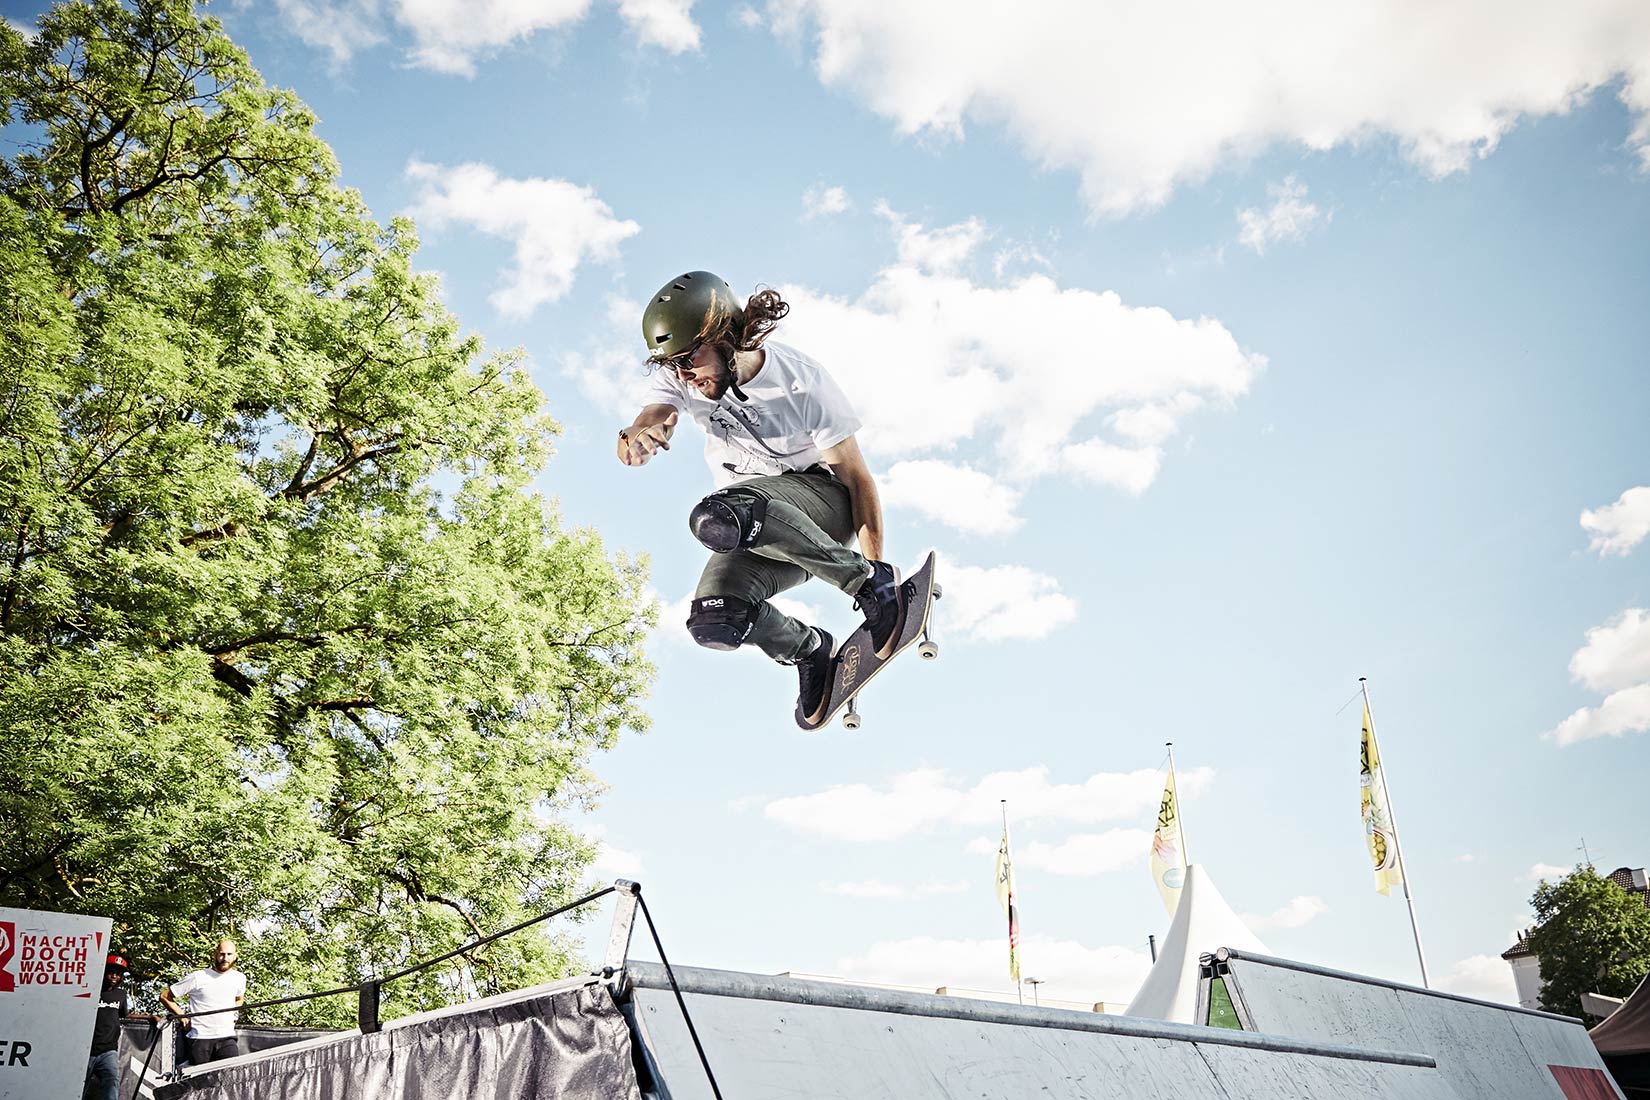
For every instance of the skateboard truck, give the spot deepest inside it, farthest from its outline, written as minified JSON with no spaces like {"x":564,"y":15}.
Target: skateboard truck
{"x":927,"y":648}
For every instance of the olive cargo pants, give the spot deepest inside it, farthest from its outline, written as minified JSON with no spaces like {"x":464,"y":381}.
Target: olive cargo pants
{"x":808,"y":532}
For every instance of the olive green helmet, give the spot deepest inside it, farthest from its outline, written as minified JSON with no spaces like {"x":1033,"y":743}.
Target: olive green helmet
{"x":685,"y":308}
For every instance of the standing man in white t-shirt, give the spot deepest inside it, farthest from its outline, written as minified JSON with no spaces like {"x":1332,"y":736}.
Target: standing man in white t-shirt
{"x":793,"y":490}
{"x":220,"y":987}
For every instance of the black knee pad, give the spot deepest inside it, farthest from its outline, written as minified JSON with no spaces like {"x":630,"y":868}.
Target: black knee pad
{"x":720,"y":622}
{"x":728,"y":520}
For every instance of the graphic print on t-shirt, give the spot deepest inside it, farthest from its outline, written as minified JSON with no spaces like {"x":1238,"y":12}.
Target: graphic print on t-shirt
{"x":740,"y":426}
{"x":793,"y":412}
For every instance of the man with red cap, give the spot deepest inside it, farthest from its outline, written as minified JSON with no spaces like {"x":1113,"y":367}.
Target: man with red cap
{"x":103,"y":1066}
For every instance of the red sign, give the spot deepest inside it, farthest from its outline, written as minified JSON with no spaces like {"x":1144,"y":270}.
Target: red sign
{"x":40,"y":958}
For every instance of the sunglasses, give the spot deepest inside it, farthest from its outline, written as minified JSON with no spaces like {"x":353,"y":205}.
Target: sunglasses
{"x":676,"y":364}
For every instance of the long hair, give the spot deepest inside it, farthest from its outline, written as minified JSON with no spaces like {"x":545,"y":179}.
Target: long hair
{"x":746,"y":330}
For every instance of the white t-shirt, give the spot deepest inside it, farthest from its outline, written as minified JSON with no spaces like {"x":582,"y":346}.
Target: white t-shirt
{"x":206,"y":990}
{"x":795,"y":410}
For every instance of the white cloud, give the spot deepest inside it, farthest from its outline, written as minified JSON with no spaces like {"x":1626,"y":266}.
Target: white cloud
{"x":940,"y":251}
{"x":928,"y":798}
{"x":1619,"y":527}
{"x":1033,"y":379}
{"x":612,"y":861}
{"x":609,"y":370}
{"x":797,"y":609}
{"x":959,"y":496}
{"x":1036,"y":373}
{"x":451,"y":36}
{"x":1465,"y":857}
{"x":341,"y":29}
{"x":1007,"y":258}
{"x":24,"y":29}
{"x":820,"y":201}
{"x":1486,"y":977}
{"x":1290,"y":217}
{"x":1621,"y":713}
{"x":1137,"y":106}
{"x":1081,"y":855}
{"x":1299,"y":911}
{"x":555,"y":226}
{"x":1547,"y":871}
{"x":1615,"y":659}
{"x":875,"y":890}
{"x":1000,"y":603}
{"x":1070,"y":970}
{"x":1615,"y":656}
{"x":667,"y":24}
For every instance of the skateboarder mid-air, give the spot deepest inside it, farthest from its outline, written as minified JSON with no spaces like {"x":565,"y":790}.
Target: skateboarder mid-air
{"x":793,"y":490}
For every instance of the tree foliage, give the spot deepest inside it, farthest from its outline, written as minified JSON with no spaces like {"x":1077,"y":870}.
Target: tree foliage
{"x":289,"y":647}
{"x":1591,"y":936}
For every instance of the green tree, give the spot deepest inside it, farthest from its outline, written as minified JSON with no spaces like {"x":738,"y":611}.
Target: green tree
{"x":289,"y":647}
{"x":1591,"y":937}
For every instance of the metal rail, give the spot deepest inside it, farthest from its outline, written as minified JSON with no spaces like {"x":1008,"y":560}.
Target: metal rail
{"x":1226,"y":953}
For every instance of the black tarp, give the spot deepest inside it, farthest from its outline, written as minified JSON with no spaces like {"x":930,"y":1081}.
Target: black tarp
{"x":136,"y":1039}
{"x":570,"y":1044}
{"x":137,"y":1036}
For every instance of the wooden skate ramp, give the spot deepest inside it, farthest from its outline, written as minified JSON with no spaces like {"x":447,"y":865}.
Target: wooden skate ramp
{"x":767,"y":1038}
{"x":1485,"y":1051}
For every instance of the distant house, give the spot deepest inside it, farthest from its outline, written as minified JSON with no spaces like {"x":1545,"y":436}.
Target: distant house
{"x":1526,"y":966}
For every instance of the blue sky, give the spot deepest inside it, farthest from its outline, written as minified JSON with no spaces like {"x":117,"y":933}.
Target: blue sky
{"x":1226,"y":355}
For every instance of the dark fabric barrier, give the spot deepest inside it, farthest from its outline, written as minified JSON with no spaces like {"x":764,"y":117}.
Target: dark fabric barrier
{"x":137,"y":1036}
{"x":568,"y":1045}
{"x":255,"y":1039}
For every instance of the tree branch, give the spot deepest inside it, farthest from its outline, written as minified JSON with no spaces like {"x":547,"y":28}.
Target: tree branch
{"x":226,"y":673}
{"x":415,"y":890}
{"x":327,"y":480}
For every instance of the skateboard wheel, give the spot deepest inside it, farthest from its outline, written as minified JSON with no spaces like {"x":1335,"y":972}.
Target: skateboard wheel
{"x":938,"y":591}
{"x":850,"y":721}
{"x":929,"y":650}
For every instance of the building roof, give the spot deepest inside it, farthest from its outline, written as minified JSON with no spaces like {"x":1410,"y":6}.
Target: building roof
{"x":1519,"y":949}
{"x":1630,"y":879}
{"x":1633,"y":880}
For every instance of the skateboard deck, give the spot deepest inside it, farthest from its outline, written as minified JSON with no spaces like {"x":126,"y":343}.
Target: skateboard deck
{"x":856,"y":662}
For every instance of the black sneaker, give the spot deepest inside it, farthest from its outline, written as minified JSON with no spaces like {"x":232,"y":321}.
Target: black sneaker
{"x":813,"y":675}
{"x":884,"y":610}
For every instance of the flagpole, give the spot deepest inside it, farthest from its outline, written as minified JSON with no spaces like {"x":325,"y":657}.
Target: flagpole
{"x":1019,"y":991}
{"x":1397,"y":834}
{"x":1179,"y":813}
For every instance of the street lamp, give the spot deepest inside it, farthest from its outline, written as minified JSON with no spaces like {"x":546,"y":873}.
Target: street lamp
{"x":1033,"y":983}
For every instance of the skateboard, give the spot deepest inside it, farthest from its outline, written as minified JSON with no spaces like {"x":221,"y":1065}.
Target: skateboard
{"x":856,"y":662}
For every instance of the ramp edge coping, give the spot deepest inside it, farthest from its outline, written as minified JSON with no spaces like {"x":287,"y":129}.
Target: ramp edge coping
{"x":762,"y":987}
{"x":1224,"y":954}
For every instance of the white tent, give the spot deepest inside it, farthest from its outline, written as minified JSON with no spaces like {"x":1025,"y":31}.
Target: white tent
{"x":1202,"y":922}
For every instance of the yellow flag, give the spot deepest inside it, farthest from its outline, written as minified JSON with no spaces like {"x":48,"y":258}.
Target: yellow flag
{"x":1383,"y":847}
{"x":1005,"y":896}
{"x":1169,"y":848}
